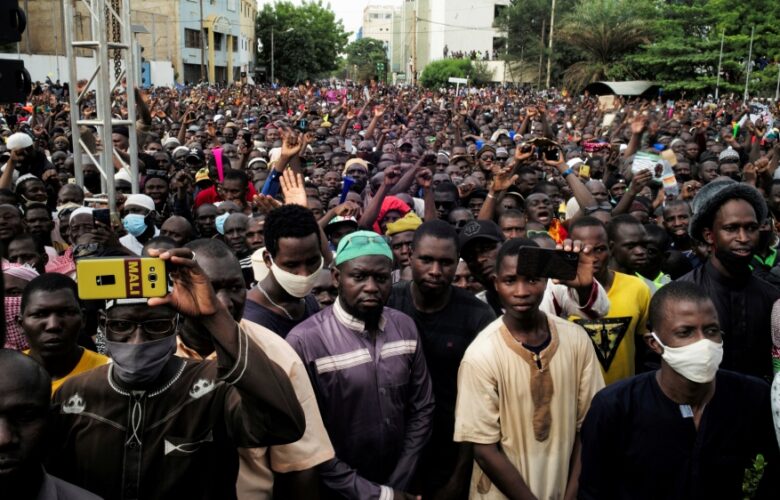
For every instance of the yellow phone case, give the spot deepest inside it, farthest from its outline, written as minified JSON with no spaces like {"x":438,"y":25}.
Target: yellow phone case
{"x":121,"y":278}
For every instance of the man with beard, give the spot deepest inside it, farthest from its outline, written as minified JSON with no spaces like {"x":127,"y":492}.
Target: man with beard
{"x":365,"y":361}
{"x":448,"y":319}
{"x":726,"y":216}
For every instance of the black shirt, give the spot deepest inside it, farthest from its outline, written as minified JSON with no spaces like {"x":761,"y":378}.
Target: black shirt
{"x":636,"y":443}
{"x":744,"y":308}
{"x":445,"y":335}
{"x":280,"y":325}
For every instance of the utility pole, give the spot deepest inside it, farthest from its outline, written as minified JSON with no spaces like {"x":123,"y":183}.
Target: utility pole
{"x":549,"y":49}
{"x":202,"y":46}
{"x":272,"y":55}
{"x":541,"y":54}
{"x":414,"y":48}
{"x":749,"y":63}
{"x":777,"y":89}
{"x":720,"y":61}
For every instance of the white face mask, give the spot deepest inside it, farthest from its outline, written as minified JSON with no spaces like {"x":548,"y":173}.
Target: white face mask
{"x":297,"y":286}
{"x":698,"y":362}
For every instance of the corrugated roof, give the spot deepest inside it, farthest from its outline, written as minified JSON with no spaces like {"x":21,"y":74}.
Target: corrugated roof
{"x":636,"y":87}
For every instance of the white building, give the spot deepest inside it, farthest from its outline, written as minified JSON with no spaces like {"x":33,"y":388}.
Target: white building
{"x":378,"y":23}
{"x":460,"y":25}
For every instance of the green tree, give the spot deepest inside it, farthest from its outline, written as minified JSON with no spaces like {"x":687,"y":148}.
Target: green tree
{"x":307,"y":40}
{"x":436,"y":74}
{"x":527,"y":26}
{"x":603,"y":33}
{"x":684,"y":55}
{"x":366,"y":55}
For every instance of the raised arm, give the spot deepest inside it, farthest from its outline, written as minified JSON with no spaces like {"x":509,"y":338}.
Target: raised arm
{"x":261,"y":407}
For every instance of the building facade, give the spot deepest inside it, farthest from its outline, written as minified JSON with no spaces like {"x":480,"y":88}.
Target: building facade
{"x":425,"y":27}
{"x":172,"y":33}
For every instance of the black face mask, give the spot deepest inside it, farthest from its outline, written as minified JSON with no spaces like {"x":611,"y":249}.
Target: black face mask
{"x":683,"y":177}
{"x":734,"y":263}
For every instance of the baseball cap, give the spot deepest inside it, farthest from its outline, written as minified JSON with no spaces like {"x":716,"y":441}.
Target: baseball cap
{"x":479,"y":229}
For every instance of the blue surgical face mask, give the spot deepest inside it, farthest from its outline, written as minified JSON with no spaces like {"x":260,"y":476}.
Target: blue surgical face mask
{"x":135,"y":224}
{"x":220,"y":222}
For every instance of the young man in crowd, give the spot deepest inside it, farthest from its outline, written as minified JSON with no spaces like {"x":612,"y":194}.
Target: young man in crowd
{"x":687,"y":430}
{"x":52,"y":318}
{"x":726,"y":216}
{"x":282,"y":470}
{"x":447,"y":320}
{"x":617,"y":335}
{"x":293,"y":254}
{"x":524,"y":387}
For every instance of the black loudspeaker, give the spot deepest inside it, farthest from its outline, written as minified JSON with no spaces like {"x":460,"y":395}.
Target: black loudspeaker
{"x":12,"y":21}
{"x":15,"y":81}
{"x":15,"y":84}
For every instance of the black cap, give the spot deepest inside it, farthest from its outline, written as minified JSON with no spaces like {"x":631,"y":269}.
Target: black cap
{"x":479,"y":229}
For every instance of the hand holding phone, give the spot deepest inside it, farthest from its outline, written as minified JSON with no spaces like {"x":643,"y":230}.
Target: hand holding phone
{"x":121,"y":278}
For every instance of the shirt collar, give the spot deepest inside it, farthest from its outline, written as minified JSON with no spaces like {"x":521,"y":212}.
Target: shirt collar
{"x":770,"y":259}
{"x":351,"y":322}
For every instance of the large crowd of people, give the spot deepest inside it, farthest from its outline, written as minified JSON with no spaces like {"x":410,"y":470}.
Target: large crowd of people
{"x":349,"y":312}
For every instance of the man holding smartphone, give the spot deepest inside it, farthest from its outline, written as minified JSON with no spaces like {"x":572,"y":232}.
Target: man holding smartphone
{"x":524,"y":387}
{"x":153,"y":425}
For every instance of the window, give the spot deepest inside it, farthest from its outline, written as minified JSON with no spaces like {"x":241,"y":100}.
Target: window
{"x":388,"y":16}
{"x":218,"y":41}
{"x":231,"y":5}
{"x":191,"y":38}
{"x":235,"y":44}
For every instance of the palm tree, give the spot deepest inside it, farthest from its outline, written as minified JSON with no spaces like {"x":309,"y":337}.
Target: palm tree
{"x":604,"y":31}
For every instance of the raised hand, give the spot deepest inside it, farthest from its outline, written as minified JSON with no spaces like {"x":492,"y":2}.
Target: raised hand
{"x":502,"y":178}
{"x":293,"y":189}
{"x":192,"y":294}
{"x":424,"y":178}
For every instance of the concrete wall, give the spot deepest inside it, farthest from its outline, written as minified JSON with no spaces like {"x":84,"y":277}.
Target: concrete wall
{"x":42,"y":66}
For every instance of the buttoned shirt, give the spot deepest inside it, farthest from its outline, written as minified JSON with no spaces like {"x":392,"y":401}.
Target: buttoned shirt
{"x":375,"y":397}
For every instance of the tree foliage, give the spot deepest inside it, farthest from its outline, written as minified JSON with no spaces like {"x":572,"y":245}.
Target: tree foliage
{"x":437,"y":73}
{"x":684,"y":55}
{"x":307,"y":38}
{"x":364,"y":55}
{"x":603,"y":33}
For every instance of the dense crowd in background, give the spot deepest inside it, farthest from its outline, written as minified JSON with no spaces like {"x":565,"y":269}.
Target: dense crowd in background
{"x":349,"y":312}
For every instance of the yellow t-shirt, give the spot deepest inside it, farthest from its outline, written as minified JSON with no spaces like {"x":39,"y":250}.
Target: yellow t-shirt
{"x":495,"y":404}
{"x":89,"y":360}
{"x":613,"y":335}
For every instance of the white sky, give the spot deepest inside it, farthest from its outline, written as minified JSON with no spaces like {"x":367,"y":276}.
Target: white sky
{"x":349,"y":11}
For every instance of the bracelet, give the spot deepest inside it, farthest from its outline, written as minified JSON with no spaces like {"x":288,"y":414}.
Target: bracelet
{"x":567,"y":172}
{"x":491,"y":196}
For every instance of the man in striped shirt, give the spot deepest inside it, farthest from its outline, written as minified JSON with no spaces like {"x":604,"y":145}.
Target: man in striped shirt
{"x":367,"y":368}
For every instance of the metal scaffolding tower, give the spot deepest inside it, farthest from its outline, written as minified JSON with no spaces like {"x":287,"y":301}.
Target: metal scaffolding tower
{"x":110,"y":31}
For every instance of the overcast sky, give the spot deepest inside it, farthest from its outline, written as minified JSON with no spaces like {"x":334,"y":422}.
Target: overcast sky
{"x":350,"y":11}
